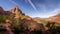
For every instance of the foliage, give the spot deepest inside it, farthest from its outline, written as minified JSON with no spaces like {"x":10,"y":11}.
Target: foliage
{"x":3,"y":18}
{"x":16,"y":25}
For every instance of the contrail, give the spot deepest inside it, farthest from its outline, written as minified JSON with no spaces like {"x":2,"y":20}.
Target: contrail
{"x":32,"y":4}
{"x":25,"y":1}
{"x":14,"y":2}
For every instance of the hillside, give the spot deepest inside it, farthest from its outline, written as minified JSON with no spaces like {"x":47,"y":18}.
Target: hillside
{"x":55,"y":18}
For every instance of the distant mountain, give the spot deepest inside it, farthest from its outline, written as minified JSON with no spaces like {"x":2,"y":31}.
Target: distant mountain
{"x":55,"y":18}
{"x":37,"y":19}
{"x":40,"y":20}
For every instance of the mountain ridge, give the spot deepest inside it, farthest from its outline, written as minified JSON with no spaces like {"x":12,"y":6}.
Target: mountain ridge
{"x":55,"y":18}
{"x":17,"y":11}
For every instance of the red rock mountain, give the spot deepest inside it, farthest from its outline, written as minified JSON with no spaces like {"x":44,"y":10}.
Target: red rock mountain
{"x":3,"y":12}
{"x":55,"y":18}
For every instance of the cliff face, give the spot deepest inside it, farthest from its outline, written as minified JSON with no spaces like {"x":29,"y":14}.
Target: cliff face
{"x":17,"y":12}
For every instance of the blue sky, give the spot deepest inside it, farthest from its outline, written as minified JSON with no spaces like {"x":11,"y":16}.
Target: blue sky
{"x":34,"y":8}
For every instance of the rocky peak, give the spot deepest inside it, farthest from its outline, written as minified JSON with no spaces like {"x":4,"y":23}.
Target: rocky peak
{"x":16,"y":7}
{"x":16,"y":10}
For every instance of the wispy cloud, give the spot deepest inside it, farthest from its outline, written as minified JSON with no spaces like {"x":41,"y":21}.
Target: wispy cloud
{"x":13,"y":2}
{"x":31,"y":3}
{"x":56,"y":11}
{"x":42,"y":7}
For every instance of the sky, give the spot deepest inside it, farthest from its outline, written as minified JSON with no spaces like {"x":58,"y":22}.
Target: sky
{"x":34,"y":8}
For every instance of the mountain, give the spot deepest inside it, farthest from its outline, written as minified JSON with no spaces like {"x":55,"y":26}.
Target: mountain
{"x":18,"y":13}
{"x":1,"y":9}
{"x":3,"y":12}
{"x":55,"y":18}
{"x":37,"y":19}
{"x":15,"y":11}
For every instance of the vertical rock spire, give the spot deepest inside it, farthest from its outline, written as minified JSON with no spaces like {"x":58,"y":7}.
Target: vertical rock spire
{"x":17,"y":13}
